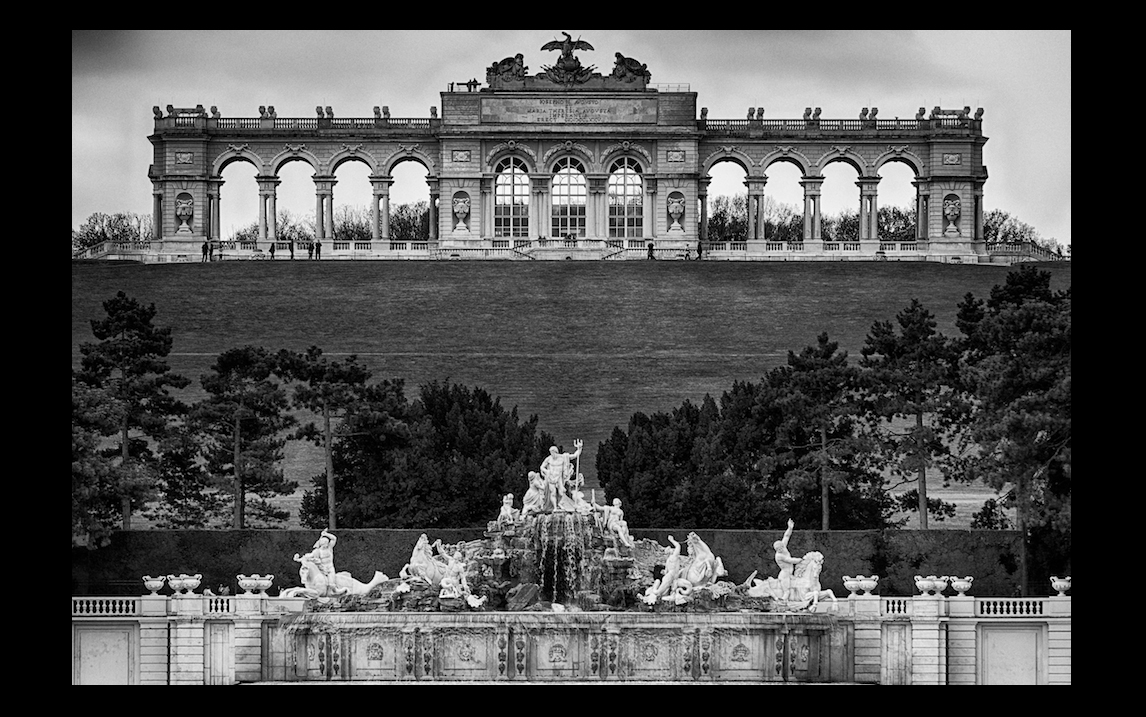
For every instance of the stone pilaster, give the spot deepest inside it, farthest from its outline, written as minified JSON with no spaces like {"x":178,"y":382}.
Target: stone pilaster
{"x":928,"y":640}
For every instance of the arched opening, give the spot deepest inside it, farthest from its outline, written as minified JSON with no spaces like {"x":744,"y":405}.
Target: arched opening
{"x":239,"y":203}
{"x":511,"y":199}
{"x":295,"y":207}
{"x":353,"y":215}
{"x":409,"y":202}
{"x":568,"y":199}
{"x":897,"y":221}
{"x":840,"y":202}
{"x":783,"y":203}
{"x":626,"y":192}
{"x":727,"y":210}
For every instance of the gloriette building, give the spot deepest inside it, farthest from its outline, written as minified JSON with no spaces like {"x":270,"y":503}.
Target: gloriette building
{"x":569,"y":162}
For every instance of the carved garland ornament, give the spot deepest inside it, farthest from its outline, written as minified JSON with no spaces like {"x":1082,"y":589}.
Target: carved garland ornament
{"x":627,"y":147}
{"x":567,"y":146}
{"x":512,"y":146}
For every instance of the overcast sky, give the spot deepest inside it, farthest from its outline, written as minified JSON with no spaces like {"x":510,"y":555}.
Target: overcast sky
{"x":1020,"y":79}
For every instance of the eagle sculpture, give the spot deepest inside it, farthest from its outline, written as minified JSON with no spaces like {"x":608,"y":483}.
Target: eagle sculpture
{"x":567,"y":46}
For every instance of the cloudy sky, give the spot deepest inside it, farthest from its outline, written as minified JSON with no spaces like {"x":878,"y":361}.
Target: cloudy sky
{"x":1020,"y":79}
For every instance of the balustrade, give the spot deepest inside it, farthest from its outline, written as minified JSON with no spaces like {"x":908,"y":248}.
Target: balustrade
{"x":1009,"y":607}
{"x":104,"y":606}
{"x":851,"y":246}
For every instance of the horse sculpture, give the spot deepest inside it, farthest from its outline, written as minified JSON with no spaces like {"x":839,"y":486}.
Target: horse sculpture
{"x":806,"y":581}
{"x":423,"y":564}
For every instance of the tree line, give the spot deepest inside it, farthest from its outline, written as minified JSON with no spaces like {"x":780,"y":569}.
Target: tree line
{"x":408,"y":222}
{"x":728,"y":221}
{"x":814,"y":439}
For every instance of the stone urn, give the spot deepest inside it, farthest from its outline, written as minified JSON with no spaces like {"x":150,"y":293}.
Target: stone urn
{"x":461,"y":211}
{"x":1061,"y":585}
{"x":263,"y":583}
{"x":961,"y":585}
{"x":153,"y":584}
{"x":676,"y":211}
{"x":852,"y":584}
{"x":924,"y":585}
{"x":186,"y":583}
{"x":868,"y":584}
{"x":249,"y":584}
{"x":939,"y":584}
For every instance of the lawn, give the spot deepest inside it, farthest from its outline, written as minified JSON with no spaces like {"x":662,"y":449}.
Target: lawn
{"x":583,"y":345}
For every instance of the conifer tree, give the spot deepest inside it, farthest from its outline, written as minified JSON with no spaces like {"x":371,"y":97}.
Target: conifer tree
{"x":243,"y":419}
{"x":909,"y":374}
{"x":129,"y":362}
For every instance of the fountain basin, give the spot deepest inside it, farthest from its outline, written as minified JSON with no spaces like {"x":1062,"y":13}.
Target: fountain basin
{"x":567,"y":646}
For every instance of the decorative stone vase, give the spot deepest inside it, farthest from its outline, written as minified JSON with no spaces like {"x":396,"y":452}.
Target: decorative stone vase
{"x":961,"y":585}
{"x":249,"y":584}
{"x":852,"y":584}
{"x":925,"y":585}
{"x":461,"y":211}
{"x":153,"y":584}
{"x":868,"y":584}
{"x":1061,"y":585}
{"x":263,"y":583}
{"x":187,"y":583}
{"x":939,"y":584}
{"x":676,"y":211}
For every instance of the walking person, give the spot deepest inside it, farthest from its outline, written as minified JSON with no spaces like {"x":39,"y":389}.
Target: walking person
{"x":290,"y":246}
{"x":206,"y":246}
{"x":310,"y":250}
{"x":699,"y":249}
{"x":272,"y":251}
{"x":318,"y":250}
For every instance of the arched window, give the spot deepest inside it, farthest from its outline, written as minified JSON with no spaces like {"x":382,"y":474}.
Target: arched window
{"x":626,"y":199}
{"x":568,"y":198}
{"x":511,"y":199}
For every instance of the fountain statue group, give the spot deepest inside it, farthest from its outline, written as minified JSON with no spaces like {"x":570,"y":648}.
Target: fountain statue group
{"x":564,"y":535}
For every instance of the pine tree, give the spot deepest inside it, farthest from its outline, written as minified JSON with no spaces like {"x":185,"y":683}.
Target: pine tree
{"x":243,"y":419}
{"x":909,"y":374}
{"x":129,"y":362}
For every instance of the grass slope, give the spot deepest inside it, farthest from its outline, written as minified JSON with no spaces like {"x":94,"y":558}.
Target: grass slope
{"x":583,"y":345}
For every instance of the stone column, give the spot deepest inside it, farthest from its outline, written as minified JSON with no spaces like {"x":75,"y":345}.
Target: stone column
{"x":273,"y":224}
{"x":434,"y":208}
{"x":157,"y":213}
{"x":262,"y":215}
{"x":920,"y":211}
{"x":538,"y":190}
{"x":651,"y":212}
{"x":486,"y":208}
{"x":702,"y":195}
{"x":319,"y":224}
{"x":329,"y":213}
{"x":381,"y":207}
{"x":869,"y":212}
{"x":812,"y":222}
{"x":755,"y":207}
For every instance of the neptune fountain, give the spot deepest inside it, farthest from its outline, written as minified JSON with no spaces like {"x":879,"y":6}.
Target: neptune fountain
{"x":561,"y":552}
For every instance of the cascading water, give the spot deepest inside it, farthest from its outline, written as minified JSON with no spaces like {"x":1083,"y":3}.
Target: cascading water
{"x":562,"y":547}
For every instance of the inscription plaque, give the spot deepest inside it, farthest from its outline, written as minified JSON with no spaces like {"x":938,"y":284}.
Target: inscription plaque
{"x":568,"y":110}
